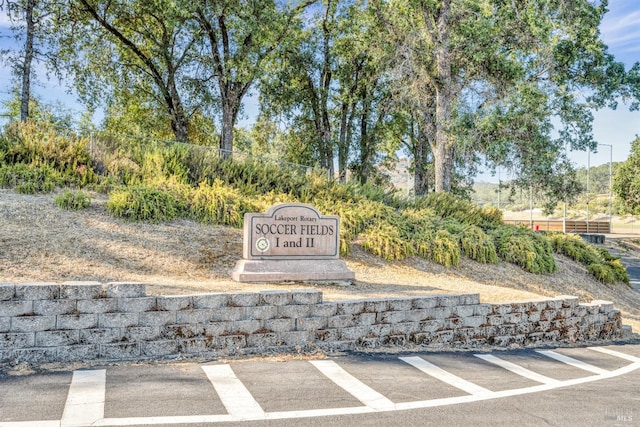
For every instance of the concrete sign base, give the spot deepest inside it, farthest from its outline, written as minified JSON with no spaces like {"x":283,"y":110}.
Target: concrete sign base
{"x":291,"y":270}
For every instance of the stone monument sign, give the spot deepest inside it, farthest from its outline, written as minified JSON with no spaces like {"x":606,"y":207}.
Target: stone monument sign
{"x":291,"y":242}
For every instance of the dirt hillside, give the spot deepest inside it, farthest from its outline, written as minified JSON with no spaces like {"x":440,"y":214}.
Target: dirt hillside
{"x":40,"y":242}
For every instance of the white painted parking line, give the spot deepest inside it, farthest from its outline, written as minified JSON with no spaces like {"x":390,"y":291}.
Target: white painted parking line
{"x":616,"y":353}
{"x":52,"y":423}
{"x":85,"y":401}
{"x":573,"y":362}
{"x":444,"y":376}
{"x":517,"y":369}
{"x":233,"y":394}
{"x":223,"y":376}
{"x":352,"y":385}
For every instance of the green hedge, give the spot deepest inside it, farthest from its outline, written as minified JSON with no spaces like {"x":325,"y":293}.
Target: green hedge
{"x":598,"y":261}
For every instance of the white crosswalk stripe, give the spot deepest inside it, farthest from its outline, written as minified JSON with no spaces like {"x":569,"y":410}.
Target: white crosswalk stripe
{"x":352,"y":385}
{"x":516,"y":369}
{"x":232,"y":392}
{"x":444,"y":376}
{"x":86,"y":398}
{"x":573,"y":362}
{"x":616,"y":354}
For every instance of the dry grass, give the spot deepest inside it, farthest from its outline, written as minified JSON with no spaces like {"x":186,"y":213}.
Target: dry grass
{"x":40,"y":242}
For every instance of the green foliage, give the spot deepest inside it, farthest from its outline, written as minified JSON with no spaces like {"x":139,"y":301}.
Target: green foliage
{"x":477,"y":245}
{"x":619,"y":272}
{"x":144,"y":204}
{"x":626,"y":184}
{"x":170,"y":161}
{"x":445,"y":249}
{"x":356,"y":217}
{"x":265,"y":201}
{"x":27,"y":179}
{"x":599,"y":262}
{"x":218,"y":203}
{"x":420,"y":221}
{"x":601,"y":272}
{"x":39,"y":145}
{"x":71,"y":200}
{"x":598,"y":175}
{"x":522,"y":247}
{"x":446,"y":205}
{"x":575,"y":248}
{"x":386,"y":242}
{"x":318,"y":186}
{"x":165,"y":182}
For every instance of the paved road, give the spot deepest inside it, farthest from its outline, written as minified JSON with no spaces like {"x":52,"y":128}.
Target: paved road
{"x":576,"y":386}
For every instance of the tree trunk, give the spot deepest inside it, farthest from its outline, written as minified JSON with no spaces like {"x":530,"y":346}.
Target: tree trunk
{"x":324,"y":89}
{"x":443,"y":152}
{"x":230,"y":108}
{"x":365,"y":141}
{"x":179,"y":121}
{"x":25,"y":95}
{"x":343,"y":143}
{"x":421,"y":165}
{"x":179,"y":125}
{"x":327,"y":145}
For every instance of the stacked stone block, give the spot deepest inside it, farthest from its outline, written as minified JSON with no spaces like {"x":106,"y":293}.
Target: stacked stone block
{"x":46,"y":322}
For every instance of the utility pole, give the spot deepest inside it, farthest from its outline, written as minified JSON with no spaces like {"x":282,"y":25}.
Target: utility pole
{"x":610,"y":183}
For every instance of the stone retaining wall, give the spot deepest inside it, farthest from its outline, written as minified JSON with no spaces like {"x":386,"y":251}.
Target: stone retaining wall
{"x":45,"y":322}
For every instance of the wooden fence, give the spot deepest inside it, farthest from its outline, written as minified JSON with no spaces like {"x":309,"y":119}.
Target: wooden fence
{"x":572,"y":226}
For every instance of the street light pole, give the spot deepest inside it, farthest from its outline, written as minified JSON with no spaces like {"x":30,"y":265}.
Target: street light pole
{"x":588,"y":170}
{"x":610,"y":182}
{"x":499,"y":187}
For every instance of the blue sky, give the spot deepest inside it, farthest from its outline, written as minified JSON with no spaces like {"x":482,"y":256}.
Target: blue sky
{"x":620,"y":30}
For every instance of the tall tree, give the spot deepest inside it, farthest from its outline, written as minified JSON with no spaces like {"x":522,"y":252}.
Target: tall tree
{"x":299,"y":83}
{"x":145,"y":47}
{"x":366,"y":112}
{"x":31,"y":20}
{"x":328,"y":81}
{"x":239,"y":36}
{"x":28,"y":59}
{"x":626,"y":184}
{"x":461,"y":61}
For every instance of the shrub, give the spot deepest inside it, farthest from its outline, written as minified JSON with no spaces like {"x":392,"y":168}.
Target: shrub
{"x":522,"y":247}
{"x":420,"y":221}
{"x":477,"y":245}
{"x":599,"y":262}
{"x":619,"y":272}
{"x":445,"y":249}
{"x":28,"y":180}
{"x":385,"y":241}
{"x":265,"y":201}
{"x":602,"y":272}
{"x":446,"y":205}
{"x":159,"y":164}
{"x":423,"y":245}
{"x":71,"y":200}
{"x":355,"y":217}
{"x":575,"y":248}
{"x":218,"y":203}
{"x":253,"y":177}
{"x":144,"y":204}
{"x":38,"y":144}
{"x":124,"y":170}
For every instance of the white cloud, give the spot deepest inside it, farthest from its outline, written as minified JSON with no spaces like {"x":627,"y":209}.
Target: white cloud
{"x":4,"y":20}
{"x":620,"y":30}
